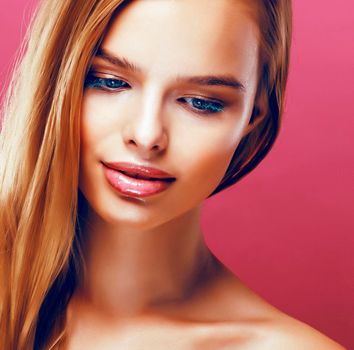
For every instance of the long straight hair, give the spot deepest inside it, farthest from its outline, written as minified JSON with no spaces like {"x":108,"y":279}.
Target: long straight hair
{"x":41,"y":208}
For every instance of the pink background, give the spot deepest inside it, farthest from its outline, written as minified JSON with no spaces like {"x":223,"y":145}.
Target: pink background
{"x":287,"y":229}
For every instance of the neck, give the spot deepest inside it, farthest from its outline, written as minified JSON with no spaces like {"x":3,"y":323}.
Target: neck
{"x":129,"y":270}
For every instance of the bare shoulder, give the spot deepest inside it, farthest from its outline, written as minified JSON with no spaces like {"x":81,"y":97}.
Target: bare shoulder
{"x":285,"y":332}
{"x":270,"y":327}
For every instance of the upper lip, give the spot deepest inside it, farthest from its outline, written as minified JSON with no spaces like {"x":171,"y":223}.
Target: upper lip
{"x":140,"y":170}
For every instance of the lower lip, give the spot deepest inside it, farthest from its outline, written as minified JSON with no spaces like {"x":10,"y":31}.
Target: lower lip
{"x":134,"y":187}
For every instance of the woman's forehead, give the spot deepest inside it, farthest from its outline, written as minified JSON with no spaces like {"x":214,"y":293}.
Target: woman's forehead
{"x":188,"y":35}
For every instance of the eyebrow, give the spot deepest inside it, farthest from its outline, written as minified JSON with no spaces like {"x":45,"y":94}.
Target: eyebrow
{"x":208,"y":80}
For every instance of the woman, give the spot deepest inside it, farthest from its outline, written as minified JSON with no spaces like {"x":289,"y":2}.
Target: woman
{"x":121,"y":119}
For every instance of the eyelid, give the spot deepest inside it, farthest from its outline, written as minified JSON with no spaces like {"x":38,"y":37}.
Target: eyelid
{"x":183,"y":100}
{"x":105,"y":77}
{"x":200,"y":111}
{"x":93,"y":71}
{"x":206,"y":98}
{"x":96,"y":73}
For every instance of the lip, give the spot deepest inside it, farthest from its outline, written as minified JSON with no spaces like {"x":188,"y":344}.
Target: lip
{"x":141,"y":170}
{"x":136,"y":180}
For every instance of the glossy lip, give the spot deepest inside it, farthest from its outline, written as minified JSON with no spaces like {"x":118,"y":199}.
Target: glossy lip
{"x":136,"y":180}
{"x":144,"y":172}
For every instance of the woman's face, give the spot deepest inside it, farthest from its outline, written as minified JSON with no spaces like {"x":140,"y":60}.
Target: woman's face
{"x":173,"y":88}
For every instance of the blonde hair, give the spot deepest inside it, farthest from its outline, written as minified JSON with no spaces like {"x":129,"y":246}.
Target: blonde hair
{"x":274,"y":19}
{"x":40,"y":204}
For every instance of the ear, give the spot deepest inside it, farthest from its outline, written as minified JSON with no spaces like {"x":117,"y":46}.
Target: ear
{"x":259,"y":112}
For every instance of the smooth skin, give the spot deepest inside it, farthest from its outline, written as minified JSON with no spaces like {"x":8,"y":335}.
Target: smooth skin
{"x":151,"y":282}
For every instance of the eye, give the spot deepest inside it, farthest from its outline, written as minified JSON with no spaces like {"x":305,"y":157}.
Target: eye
{"x":109,"y":84}
{"x":203,"y":106}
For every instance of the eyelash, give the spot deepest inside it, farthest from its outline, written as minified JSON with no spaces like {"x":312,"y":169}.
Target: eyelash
{"x":196,"y":104}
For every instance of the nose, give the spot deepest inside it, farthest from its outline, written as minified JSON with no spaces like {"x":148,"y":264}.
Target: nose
{"x":146,"y":132}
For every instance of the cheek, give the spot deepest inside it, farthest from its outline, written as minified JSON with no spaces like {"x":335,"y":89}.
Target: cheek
{"x":94,"y":130}
{"x":100,"y":127}
{"x":207,"y":157}
{"x":96,"y":120}
{"x":213,"y":164}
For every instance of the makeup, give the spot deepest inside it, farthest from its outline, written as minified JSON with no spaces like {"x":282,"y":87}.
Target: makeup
{"x":136,"y":180}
